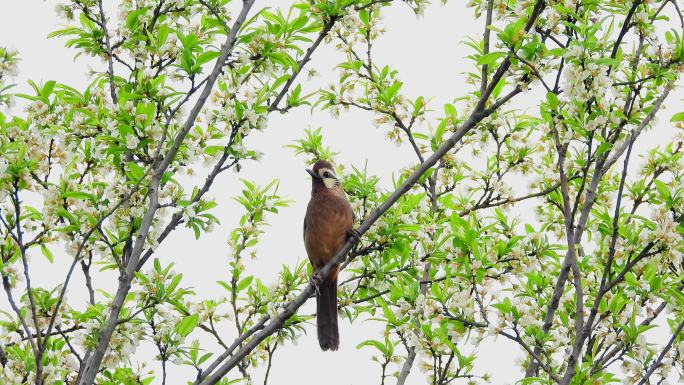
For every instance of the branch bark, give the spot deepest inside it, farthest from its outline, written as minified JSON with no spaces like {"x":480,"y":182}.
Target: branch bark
{"x":659,"y":361}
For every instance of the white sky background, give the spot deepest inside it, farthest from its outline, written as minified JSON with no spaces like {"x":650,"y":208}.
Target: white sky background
{"x":429,"y":56}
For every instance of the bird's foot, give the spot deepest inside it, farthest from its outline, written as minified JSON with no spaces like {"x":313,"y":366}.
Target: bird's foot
{"x":316,"y":282}
{"x":355,"y":234}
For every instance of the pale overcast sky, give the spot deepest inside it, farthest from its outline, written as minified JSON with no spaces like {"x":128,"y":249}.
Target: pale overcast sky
{"x":429,"y":55}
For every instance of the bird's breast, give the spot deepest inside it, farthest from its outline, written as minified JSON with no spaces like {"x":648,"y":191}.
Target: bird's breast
{"x":327,"y":222}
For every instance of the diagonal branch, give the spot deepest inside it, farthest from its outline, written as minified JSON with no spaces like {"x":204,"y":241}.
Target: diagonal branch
{"x":300,"y":65}
{"x":658,"y":362}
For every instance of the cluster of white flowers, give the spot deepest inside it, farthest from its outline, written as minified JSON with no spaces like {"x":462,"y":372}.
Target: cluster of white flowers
{"x":666,"y":227}
{"x":462,"y":301}
{"x":9,"y":336}
{"x":357,"y":90}
{"x":529,"y":310}
{"x":81,"y":210}
{"x":350,"y":30}
{"x":357,"y":206}
{"x":521,"y":6}
{"x":205,"y":309}
{"x":13,"y":274}
{"x":13,"y":373}
{"x":667,"y":235}
{"x":60,"y":365}
{"x":585,"y":82}
{"x":235,"y":89}
{"x":427,"y":310}
{"x":424,"y":236}
{"x":502,"y":190}
{"x":644,"y":22}
{"x":633,"y":370}
{"x":551,"y":19}
{"x":623,"y":248}
{"x":8,"y":63}
{"x":143,"y":9}
{"x":167,"y":317}
{"x":165,"y":320}
{"x":123,"y":345}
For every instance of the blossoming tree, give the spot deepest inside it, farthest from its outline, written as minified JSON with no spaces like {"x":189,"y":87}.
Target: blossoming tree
{"x":443,"y":260}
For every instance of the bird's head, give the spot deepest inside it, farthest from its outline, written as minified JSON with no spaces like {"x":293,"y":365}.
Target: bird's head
{"x":323,"y":175}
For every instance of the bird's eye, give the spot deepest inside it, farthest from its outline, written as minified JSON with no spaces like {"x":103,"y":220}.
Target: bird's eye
{"x":327,"y":174}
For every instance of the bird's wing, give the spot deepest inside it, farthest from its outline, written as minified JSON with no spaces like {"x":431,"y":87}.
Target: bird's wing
{"x":351,"y":210}
{"x":308,"y":209}
{"x":304,"y":231}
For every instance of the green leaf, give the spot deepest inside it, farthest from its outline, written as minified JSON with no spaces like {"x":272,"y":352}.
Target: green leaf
{"x":133,"y":18}
{"x":607,"y":61}
{"x":47,"y":253}
{"x":47,"y":88}
{"x":77,"y":195}
{"x":364,"y":16}
{"x":244,"y":283}
{"x":376,"y":344}
{"x":187,"y":325}
{"x":135,"y":172}
{"x":490,"y":58}
{"x":552,"y":99}
{"x":207,"y":57}
{"x":450,"y":110}
{"x":392,"y":91}
{"x":662,"y":189}
{"x":678,"y":117}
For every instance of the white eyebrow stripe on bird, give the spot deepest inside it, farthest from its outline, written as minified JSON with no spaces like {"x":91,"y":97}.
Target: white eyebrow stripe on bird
{"x":322,"y":172}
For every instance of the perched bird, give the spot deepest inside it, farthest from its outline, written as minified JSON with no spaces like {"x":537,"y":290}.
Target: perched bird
{"x":328,"y":222}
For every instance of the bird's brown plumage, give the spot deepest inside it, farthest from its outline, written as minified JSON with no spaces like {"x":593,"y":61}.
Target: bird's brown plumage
{"x":328,"y":220}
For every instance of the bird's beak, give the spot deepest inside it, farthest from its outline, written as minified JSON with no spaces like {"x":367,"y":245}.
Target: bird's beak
{"x":312,"y":173}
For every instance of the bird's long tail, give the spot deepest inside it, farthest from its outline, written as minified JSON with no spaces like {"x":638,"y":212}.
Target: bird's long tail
{"x":326,"y":318}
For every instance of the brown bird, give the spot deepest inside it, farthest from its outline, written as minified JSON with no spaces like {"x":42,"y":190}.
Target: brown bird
{"x":328,"y":222}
